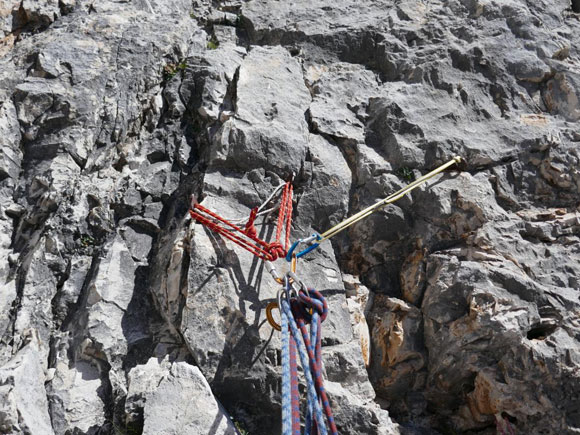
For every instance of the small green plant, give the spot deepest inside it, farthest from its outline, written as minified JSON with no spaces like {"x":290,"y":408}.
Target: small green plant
{"x":171,"y":69}
{"x":406,"y":173}
{"x":87,"y":240}
{"x":240,"y":429}
{"x":212,"y":44}
{"x":192,"y":15}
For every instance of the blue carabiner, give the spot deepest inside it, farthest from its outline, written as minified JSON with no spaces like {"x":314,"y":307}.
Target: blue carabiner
{"x":315,"y":236}
{"x":307,"y":250}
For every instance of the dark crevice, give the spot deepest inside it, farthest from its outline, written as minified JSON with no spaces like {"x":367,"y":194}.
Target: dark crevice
{"x":541,"y":331}
{"x":26,"y":22}
{"x":77,"y":308}
{"x":65,"y":9}
{"x":444,"y":245}
{"x":509,"y":418}
{"x":58,"y":294}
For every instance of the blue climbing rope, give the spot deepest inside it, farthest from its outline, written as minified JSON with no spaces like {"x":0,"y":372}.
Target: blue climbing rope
{"x":311,"y":308}
{"x":298,"y":308}
{"x":290,"y":415}
{"x":288,"y":322}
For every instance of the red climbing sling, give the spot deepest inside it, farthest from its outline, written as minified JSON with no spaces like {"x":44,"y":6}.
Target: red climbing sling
{"x":248,"y":238}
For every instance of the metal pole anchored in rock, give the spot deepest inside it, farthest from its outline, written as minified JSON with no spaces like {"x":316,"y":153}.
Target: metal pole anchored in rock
{"x":317,"y":238}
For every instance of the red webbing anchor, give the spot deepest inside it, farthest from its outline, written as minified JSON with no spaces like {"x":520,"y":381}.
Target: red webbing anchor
{"x":248,"y":238}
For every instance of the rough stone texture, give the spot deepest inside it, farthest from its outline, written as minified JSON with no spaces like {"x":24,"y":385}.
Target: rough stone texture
{"x":454,"y":310}
{"x":24,"y":406}
{"x":76,"y":400}
{"x":398,"y":356}
{"x":264,"y":129}
{"x":160,"y":389}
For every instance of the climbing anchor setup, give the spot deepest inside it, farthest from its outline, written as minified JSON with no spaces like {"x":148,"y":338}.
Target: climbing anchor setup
{"x":248,"y":238}
{"x":299,"y":305}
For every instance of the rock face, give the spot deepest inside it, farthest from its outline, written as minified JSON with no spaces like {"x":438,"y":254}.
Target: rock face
{"x":24,"y":406}
{"x":173,"y":398}
{"x":454,"y":310}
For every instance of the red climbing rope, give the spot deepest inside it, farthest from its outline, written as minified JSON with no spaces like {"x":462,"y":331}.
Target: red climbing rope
{"x":255,"y":245}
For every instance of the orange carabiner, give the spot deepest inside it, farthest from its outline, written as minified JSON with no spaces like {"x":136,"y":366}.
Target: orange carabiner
{"x":270,"y":317}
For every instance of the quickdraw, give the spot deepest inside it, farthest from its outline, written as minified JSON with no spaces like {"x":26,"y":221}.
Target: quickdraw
{"x":273,"y":251}
{"x":275,"y":305}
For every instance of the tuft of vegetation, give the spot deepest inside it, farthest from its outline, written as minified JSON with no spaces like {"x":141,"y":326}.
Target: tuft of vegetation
{"x":171,"y":69}
{"x":87,"y":240}
{"x":240,"y":428}
{"x":238,"y":22}
{"x":212,"y":44}
{"x":406,"y":173}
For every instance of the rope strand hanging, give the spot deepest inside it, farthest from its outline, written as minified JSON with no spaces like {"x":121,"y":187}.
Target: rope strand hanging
{"x":297,"y":310}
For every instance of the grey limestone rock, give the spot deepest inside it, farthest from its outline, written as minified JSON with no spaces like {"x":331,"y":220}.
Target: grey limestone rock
{"x":200,"y":413}
{"x":23,"y":404}
{"x":454,"y":310}
{"x":269,"y":131}
{"x":159,"y":388}
{"x":108,"y":297}
{"x":75,"y":393}
{"x":329,"y":180}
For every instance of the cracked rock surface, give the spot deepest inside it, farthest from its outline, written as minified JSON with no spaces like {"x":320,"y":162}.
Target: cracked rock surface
{"x":454,"y":310}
